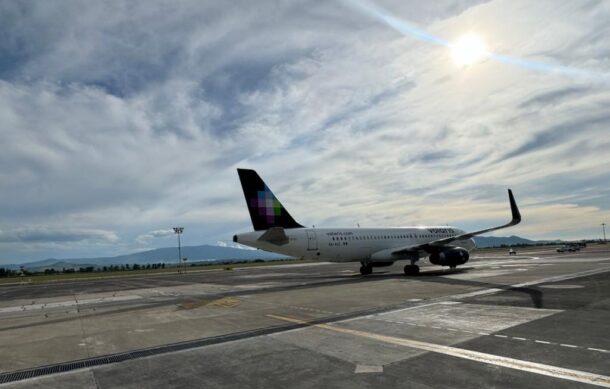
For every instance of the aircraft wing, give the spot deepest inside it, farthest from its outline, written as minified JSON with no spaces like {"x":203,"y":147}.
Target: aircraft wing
{"x":436,"y":244}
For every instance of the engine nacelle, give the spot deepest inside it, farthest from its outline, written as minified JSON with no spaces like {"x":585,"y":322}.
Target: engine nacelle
{"x":450,"y":257}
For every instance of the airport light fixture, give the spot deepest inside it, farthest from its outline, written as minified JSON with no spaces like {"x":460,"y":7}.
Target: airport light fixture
{"x":604,"y":229}
{"x":178,"y":231}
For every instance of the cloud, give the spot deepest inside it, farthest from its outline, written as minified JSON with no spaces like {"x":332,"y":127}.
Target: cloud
{"x":57,"y":235}
{"x":224,"y":243}
{"x":146,"y":238}
{"x":129,"y":117}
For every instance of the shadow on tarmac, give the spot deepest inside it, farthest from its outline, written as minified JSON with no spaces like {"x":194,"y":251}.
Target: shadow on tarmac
{"x":436,"y":276}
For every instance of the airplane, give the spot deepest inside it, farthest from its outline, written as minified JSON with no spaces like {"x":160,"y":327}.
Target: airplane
{"x":275,"y":230}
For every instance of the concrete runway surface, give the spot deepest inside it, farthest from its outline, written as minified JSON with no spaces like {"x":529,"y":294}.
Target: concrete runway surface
{"x":538,"y":319}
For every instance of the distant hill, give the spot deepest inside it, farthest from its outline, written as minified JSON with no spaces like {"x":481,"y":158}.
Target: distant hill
{"x":166,"y":255}
{"x":57,"y":265}
{"x":213,"y":253}
{"x":493,"y":241}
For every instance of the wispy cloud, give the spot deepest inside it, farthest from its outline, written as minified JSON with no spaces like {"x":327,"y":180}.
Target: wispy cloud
{"x":131,"y":117}
{"x":146,"y":238}
{"x":57,"y":235}
{"x":411,"y":30}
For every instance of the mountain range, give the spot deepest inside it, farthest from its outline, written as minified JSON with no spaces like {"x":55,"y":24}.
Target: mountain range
{"x":494,"y":241}
{"x":207,"y":253}
{"x":210,"y":253}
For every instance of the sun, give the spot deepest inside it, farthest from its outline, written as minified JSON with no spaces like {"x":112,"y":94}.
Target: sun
{"x":469,"y":50}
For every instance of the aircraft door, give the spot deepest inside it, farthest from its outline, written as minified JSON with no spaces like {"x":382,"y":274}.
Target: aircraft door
{"x":312,"y":242}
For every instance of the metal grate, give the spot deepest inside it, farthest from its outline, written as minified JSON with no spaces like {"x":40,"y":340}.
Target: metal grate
{"x":180,"y":346}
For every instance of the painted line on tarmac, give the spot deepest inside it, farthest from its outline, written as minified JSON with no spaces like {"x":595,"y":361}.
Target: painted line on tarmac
{"x":502,"y":336}
{"x":511,"y":363}
{"x":70,"y":303}
{"x":598,"y":349}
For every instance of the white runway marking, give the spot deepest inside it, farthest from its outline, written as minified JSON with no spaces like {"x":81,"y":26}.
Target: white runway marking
{"x":71,"y":303}
{"x":511,"y":363}
{"x":368,"y":369}
{"x":501,"y":336}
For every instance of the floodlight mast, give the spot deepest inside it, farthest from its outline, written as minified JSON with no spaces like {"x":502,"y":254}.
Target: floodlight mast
{"x":604,"y":229}
{"x":178,"y":231}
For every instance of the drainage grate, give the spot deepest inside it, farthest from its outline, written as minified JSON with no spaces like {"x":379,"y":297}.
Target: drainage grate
{"x":180,"y":346}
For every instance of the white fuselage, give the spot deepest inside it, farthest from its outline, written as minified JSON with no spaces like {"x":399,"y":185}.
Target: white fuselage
{"x":352,"y":244}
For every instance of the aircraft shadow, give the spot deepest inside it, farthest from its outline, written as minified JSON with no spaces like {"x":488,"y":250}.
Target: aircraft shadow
{"x":436,"y":276}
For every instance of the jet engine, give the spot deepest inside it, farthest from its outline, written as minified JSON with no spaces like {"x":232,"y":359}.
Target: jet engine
{"x":450,"y":257}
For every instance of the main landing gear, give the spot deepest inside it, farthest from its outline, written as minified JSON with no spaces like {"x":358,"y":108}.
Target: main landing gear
{"x":411,"y":270}
{"x":366,"y":269}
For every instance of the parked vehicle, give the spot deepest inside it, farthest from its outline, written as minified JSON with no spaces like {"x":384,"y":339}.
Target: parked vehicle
{"x":567,"y":247}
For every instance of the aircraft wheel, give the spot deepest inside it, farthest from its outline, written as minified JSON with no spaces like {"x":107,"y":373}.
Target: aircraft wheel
{"x":411,"y":270}
{"x":366,"y":270}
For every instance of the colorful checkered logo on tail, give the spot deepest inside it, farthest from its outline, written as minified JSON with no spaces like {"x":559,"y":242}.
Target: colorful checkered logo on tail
{"x":267,"y":205}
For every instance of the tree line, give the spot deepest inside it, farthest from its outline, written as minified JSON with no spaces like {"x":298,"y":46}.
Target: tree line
{"x":6,"y":272}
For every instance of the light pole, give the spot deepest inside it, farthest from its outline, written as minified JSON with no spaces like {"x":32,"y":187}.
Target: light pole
{"x":178,"y":231}
{"x":604,"y":229}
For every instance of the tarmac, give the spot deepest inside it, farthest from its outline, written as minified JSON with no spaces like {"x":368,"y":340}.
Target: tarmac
{"x":536,"y":319}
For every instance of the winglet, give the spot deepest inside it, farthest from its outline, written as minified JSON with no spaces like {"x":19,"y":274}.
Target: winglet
{"x":514,"y":209}
{"x":441,"y":242}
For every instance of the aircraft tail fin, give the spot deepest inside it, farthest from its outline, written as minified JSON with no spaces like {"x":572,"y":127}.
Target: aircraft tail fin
{"x":265,"y":209}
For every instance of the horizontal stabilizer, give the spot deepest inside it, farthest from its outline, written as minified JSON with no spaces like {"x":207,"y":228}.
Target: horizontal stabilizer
{"x":275,"y":235}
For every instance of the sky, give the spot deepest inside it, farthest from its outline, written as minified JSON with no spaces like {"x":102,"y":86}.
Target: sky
{"x":122,"y":119}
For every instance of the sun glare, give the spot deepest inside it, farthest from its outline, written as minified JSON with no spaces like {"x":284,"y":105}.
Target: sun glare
{"x":469,"y":50}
